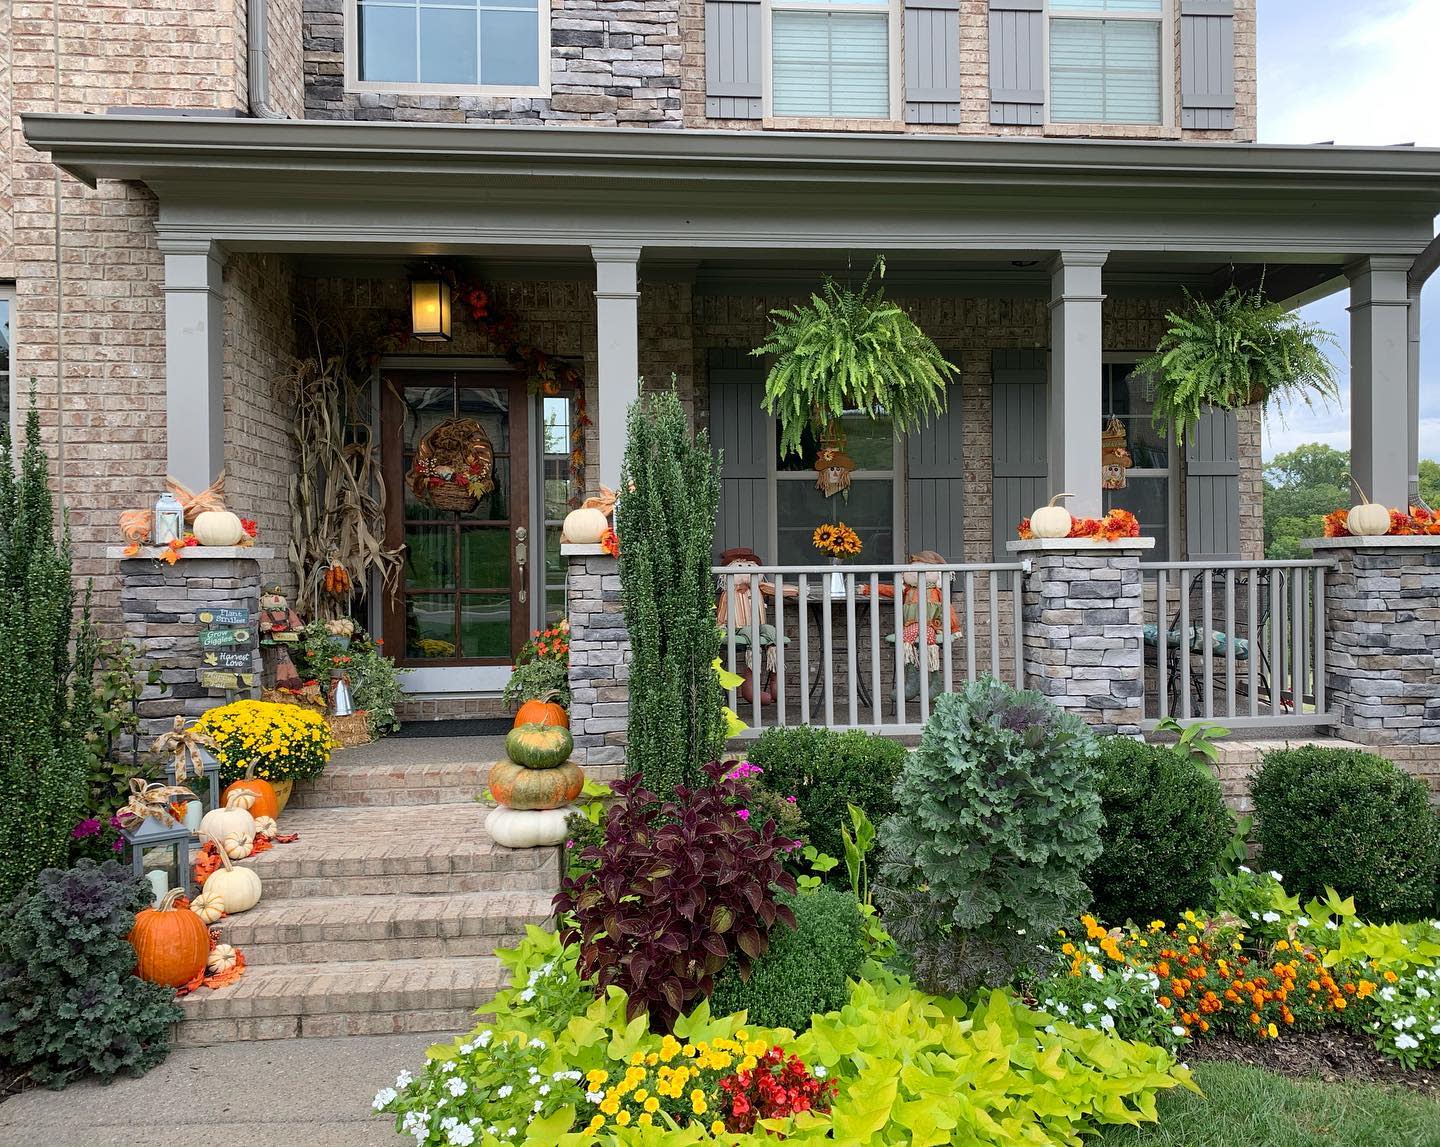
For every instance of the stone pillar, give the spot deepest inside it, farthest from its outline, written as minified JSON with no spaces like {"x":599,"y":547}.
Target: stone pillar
{"x":1382,"y":656}
{"x":599,"y":656}
{"x":1076,"y":342}
{"x":617,"y":313}
{"x":194,"y":360}
{"x":160,"y":604}
{"x":1380,"y":411}
{"x":1084,"y":626}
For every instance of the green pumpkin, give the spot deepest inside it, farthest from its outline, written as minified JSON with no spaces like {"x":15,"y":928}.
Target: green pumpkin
{"x":539,"y":746}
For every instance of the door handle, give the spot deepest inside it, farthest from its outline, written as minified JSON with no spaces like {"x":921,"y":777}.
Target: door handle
{"x":522,"y":555}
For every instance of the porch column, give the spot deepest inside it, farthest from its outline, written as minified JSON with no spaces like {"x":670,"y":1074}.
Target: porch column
{"x":1075,"y":345}
{"x":1412,"y":459}
{"x":1380,"y":411}
{"x":194,"y":360}
{"x":617,"y":312}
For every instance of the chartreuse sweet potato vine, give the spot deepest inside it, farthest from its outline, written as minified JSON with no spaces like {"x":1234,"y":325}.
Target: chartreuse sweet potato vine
{"x":850,"y":350}
{"x":565,"y":1069}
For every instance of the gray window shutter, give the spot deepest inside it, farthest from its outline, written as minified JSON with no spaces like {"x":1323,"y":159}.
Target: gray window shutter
{"x":1207,"y":64}
{"x":732,"y":59}
{"x":1212,"y":488}
{"x":932,"y":61}
{"x":740,"y":430}
{"x":1017,"y":61}
{"x":935,"y":484}
{"x":1018,"y":441}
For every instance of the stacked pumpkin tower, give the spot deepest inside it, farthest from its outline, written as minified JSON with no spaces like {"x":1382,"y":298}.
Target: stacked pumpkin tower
{"x":533,"y":786}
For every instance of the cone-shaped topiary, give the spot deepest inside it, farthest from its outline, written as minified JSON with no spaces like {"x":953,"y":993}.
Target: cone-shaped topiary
{"x":665,"y":519}
{"x":44,"y":765}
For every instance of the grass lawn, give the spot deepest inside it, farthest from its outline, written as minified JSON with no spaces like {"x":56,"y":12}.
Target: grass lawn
{"x":1247,"y":1107}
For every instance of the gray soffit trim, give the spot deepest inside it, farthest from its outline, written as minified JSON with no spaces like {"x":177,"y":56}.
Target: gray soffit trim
{"x":92,"y":147}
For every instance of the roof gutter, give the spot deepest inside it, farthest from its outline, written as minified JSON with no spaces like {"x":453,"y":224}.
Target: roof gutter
{"x":257,"y":41}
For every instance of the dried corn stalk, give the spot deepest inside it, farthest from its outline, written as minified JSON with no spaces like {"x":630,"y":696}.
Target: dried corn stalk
{"x":337,"y":498}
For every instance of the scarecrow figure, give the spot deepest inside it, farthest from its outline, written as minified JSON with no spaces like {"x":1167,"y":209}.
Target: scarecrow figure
{"x":1114,"y":456}
{"x":736,"y":610}
{"x":936,"y":618}
{"x":834,"y":468}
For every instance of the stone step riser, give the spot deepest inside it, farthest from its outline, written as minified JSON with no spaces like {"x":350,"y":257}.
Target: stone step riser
{"x":212,"y":1032}
{"x":409,"y":884}
{"x":501,"y":863}
{"x":271,"y":954}
{"x":387,"y":798}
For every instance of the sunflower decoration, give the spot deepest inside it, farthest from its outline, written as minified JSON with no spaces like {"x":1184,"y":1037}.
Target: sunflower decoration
{"x":836,"y":540}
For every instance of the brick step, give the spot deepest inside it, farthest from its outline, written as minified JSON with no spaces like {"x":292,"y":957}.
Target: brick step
{"x":420,"y":849}
{"x":367,"y":929}
{"x":377,"y":997}
{"x":386,"y":785}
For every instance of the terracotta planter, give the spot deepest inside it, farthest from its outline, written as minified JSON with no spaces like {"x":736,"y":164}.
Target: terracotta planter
{"x":283,"y":789}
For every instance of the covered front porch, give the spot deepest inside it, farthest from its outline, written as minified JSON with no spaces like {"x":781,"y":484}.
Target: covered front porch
{"x":1043,"y":268}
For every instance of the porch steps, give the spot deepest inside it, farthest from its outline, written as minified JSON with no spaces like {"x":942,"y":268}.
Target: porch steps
{"x":384,"y":916}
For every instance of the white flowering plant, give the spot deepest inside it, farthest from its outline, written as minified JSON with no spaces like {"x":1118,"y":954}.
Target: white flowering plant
{"x":1259,"y":902}
{"x":1093,"y":993}
{"x":487,"y":1089}
{"x":547,"y":989}
{"x":1406,"y":1018}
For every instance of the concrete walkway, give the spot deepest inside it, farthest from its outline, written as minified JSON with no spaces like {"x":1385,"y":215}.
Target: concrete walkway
{"x":270,"y":1093}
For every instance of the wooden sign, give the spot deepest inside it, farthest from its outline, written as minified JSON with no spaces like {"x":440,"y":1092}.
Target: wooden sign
{"x":218,"y":679}
{"x":239,"y":661}
{"x":216,"y":638}
{"x":224,"y":616}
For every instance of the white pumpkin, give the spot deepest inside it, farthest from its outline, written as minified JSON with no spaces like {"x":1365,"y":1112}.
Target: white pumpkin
{"x":584,"y":526}
{"x":222,"y":959}
{"x":232,"y":821}
{"x":238,"y":888}
{"x":528,"y":828}
{"x":209,"y":906}
{"x":218,"y":528}
{"x":266,"y":826}
{"x":236,"y":845}
{"x":1368,"y":520}
{"x":1052,"y":521}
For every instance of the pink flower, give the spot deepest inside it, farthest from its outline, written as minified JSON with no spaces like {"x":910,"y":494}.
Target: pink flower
{"x":743,"y":813}
{"x":743,"y":772}
{"x":790,"y":799}
{"x":87,"y":827}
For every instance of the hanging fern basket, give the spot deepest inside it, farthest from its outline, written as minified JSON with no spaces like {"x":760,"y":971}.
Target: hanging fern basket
{"x":848,"y":351}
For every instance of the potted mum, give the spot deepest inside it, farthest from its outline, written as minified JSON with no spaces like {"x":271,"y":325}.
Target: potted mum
{"x":1238,"y":350}
{"x":284,"y":743}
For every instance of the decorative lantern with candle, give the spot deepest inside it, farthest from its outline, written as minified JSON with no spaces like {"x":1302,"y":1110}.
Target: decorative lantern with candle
{"x":430,"y":310}
{"x":169,"y":520}
{"x":189,"y":760}
{"x":159,"y":844}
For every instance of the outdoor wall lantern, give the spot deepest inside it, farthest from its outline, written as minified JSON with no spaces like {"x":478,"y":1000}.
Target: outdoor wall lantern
{"x":430,"y":310}
{"x":161,"y":854}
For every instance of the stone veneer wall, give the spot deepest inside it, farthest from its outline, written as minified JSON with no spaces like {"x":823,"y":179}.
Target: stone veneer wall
{"x":599,"y":657}
{"x":1083,"y":630}
{"x":159,"y":604}
{"x":1383,"y":642}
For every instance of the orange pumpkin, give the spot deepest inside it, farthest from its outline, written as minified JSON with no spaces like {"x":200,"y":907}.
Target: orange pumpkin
{"x":267,"y":803}
{"x":515,"y":786}
{"x":171,"y":944}
{"x":543,"y":711}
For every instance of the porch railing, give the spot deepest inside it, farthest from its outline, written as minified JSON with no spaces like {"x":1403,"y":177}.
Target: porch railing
{"x":827,"y":651}
{"x":1242,"y":643}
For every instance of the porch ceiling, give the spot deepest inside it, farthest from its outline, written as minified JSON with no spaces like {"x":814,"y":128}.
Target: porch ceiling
{"x":734,"y":201}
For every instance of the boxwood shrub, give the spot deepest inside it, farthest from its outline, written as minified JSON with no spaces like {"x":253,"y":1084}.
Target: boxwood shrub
{"x":825,"y":770}
{"x":1166,"y":828}
{"x":1350,"y":820}
{"x":807,"y":969}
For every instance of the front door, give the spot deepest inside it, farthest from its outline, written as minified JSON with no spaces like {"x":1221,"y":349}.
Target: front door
{"x":456,"y":468}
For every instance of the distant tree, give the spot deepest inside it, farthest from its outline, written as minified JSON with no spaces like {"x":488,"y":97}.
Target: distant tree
{"x":1430,"y":483}
{"x":1301,"y":487}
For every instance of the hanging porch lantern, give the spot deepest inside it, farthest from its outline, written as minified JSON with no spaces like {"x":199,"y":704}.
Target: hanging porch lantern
{"x":430,"y":310}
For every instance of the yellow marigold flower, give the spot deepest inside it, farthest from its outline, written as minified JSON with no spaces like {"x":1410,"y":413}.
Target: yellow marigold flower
{"x":651,"y":1105}
{"x":646,"y":1119}
{"x":611,"y":1104}
{"x":1272,"y":1031}
{"x":697,"y":1102}
{"x":623,"y":1118}
{"x":1390,"y":977}
{"x":717,"y":1128}
{"x":740,"y":1035}
{"x":596,"y":1077}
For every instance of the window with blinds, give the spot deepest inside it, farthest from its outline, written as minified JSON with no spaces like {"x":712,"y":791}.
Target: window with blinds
{"x":831,"y":62}
{"x":1106,"y":61}
{"x":450,"y":43}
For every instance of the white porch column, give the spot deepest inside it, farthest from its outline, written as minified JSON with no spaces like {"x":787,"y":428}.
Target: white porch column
{"x":194,"y":360}
{"x":617,"y":311}
{"x":1075,"y":352}
{"x":1412,"y":457}
{"x":1380,"y":411}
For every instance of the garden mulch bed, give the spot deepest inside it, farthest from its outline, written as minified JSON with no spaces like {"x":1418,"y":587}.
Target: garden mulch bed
{"x":1331,"y":1056}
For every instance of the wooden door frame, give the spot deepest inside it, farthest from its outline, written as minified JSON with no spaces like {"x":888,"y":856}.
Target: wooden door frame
{"x":519,"y":498}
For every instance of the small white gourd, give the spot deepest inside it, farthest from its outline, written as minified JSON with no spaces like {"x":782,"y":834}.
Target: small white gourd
{"x":528,"y":828}
{"x":209,"y":906}
{"x":1369,"y":519}
{"x":238,"y":887}
{"x":232,"y":821}
{"x":217,"y":528}
{"x":1052,"y":521}
{"x":222,"y":959}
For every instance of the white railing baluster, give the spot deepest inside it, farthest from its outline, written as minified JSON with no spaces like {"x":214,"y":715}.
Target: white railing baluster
{"x":922,"y":642}
{"x":1320,"y":626}
{"x":757,"y":654}
{"x":1162,"y":643}
{"x":728,"y":580}
{"x":1186,"y":711}
{"x":827,"y":650}
{"x":1277,"y":666}
{"x":899,"y":649}
{"x":994,"y":591}
{"x":1297,"y":643}
{"x":969,"y":626}
{"x":946,"y":639}
{"x":1230,"y":642}
{"x":876,"y":692}
{"x":804,"y":611}
{"x":852,"y":649}
{"x":1252,"y":655}
{"x":780,"y":650}
{"x":1207,"y":644}
{"x":1017,"y":603}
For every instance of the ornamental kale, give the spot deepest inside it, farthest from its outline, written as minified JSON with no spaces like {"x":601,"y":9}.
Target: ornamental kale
{"x":682,"y":886}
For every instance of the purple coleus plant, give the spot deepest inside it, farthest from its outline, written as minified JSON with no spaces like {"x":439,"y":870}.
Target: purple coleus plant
{"x":681,"y":886}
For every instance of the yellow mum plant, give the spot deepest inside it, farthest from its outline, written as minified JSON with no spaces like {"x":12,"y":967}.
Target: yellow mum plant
{"x":283,"y":742}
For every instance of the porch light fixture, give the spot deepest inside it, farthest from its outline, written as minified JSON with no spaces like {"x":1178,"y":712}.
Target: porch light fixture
{"x":430,"y":310}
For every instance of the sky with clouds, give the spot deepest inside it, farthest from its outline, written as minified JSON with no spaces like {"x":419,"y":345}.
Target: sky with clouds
{"x":1325,"y":65}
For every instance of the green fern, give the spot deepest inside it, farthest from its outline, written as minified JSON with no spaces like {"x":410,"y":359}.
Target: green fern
{"x":1233,"y":351}
{"x":850,"y":350}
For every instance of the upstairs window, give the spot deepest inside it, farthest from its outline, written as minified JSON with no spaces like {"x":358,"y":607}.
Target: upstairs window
{"x":830,"y":59}
{"x":442,"y":45}
{"x":1106,"y":62}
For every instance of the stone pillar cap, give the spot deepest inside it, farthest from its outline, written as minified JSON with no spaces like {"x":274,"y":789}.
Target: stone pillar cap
{"x":1373,"y":542}
{"x":224,"y":553}
{"x":575,"y":550}
{"x":1091,"y":545}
